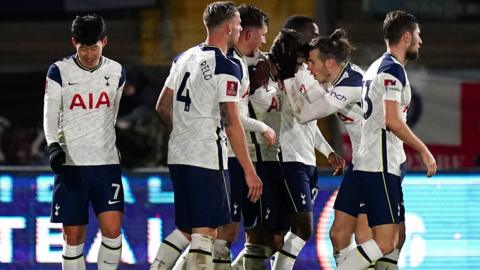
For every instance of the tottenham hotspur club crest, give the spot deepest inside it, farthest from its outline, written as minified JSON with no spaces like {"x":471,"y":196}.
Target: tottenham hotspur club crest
{"x":235,"y":206}
{"x":303,"y":198}
{"x":57,"y":207}
{"x":107,"y":78}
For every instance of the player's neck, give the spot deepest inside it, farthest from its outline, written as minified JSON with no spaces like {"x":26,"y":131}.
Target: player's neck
{"x":217,"y":42}
{"x":398,"y":53}
{"x":244,"y":50}
{"x":336,"y":73}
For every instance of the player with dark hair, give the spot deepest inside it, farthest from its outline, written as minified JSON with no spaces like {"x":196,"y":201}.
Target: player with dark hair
{"x":82,"y":97}
{"x":252,"y":37}
{"x":340,"y":93}
{"x":201,"y":95}
{"x":298,"y":141}
{"x":381,"y":159}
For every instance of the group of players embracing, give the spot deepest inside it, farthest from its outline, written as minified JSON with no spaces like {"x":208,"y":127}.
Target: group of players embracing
{"x":244,"y":134}
{"x":268,"y":104}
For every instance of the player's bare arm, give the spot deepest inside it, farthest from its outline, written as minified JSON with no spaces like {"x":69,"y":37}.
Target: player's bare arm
{"x":394,"y":122}
{"x":165,"y":104}
{"x":236,"y":135}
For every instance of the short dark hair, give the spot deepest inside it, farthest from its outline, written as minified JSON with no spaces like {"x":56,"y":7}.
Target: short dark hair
{"x":336,"y":46}
{"x":252,"y":16}
{"x":299,"y":23}
{"x":218,"y":12}
{"x":396,"y":23}
{"x":88,"y":29}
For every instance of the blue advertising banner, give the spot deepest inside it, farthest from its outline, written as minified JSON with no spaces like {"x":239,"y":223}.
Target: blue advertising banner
{"x":442,"y":218}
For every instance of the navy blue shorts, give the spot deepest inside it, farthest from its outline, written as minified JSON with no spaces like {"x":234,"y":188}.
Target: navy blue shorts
{"x":77,"y":186}
{"x":298,"y":179}
{"x":349,"y":197}
{"x":201,"y":196}
{"x":383,"y":197}
{"x":240,"y":205}
{"x":272,"y":213}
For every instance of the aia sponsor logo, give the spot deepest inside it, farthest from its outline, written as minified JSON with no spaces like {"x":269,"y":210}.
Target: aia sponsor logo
{"x":90,"y":101}
{"x":275,"y":105}
{"x":232,"y":88}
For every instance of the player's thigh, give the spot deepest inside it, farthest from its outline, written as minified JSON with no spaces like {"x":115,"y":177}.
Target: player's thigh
{"x":70,"y":199}
{"x":297,"y":183}
{"x":106,"y":188}
{"x":348,"y":198}
{"x":202,"y":196}
{"x":381,"y":193}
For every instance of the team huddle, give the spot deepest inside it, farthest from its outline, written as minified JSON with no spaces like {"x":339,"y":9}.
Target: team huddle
{"x":243,"y":141}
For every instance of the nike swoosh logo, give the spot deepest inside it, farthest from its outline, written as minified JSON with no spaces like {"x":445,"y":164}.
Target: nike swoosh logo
{"x":109,"y":263}
{"x":113,"y":202}
{"x":72,"y":83}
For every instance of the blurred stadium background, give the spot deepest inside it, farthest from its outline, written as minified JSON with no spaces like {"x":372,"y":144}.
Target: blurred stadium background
{"x":443,"y":213}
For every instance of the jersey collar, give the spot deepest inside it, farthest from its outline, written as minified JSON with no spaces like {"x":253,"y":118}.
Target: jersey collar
{"x":340,"y":75}
{"x":84,"y":67}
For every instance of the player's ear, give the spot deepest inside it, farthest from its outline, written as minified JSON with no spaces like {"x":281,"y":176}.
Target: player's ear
{"x":228,"y":29}
{"x":407,"y":37}
{"x":74,"y":42}
{"x":330,"y":63}
{"x":104,"y":41}
{"x":248,"y":34}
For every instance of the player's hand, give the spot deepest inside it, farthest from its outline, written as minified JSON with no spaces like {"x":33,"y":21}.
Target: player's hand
{"x":429,"y":163}
{"x":270,"y":136}
{"x":285,"y":52}
{"x":57,"y":157}
{"x":337,"y":163}
{"x":255,"y":186}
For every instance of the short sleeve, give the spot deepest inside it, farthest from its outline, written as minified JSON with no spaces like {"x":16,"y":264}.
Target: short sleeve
{"x":228,"y":87}
{"x":392,"y":87}
{"x":228,"y":76}
{"x":392,"y":80}
{"x":170,"y":82}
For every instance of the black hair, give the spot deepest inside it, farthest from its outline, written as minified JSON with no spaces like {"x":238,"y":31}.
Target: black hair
{"x":299,"y":23}
{"x":336,"y":46}
{"x":88,"y":29}
{"x":252,"y":16}
{"x":218,"y":12}
{"x":396,"y":23}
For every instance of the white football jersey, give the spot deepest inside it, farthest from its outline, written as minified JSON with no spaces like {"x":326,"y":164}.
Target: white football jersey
{"x":345,"y":93}
{"x":266,"y":106}
{"x":297,"y":140}
{"x":201,"y":78}
{"x":234,"y":55}
{"x":81,"y":107}
{"x":380,"y":150}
